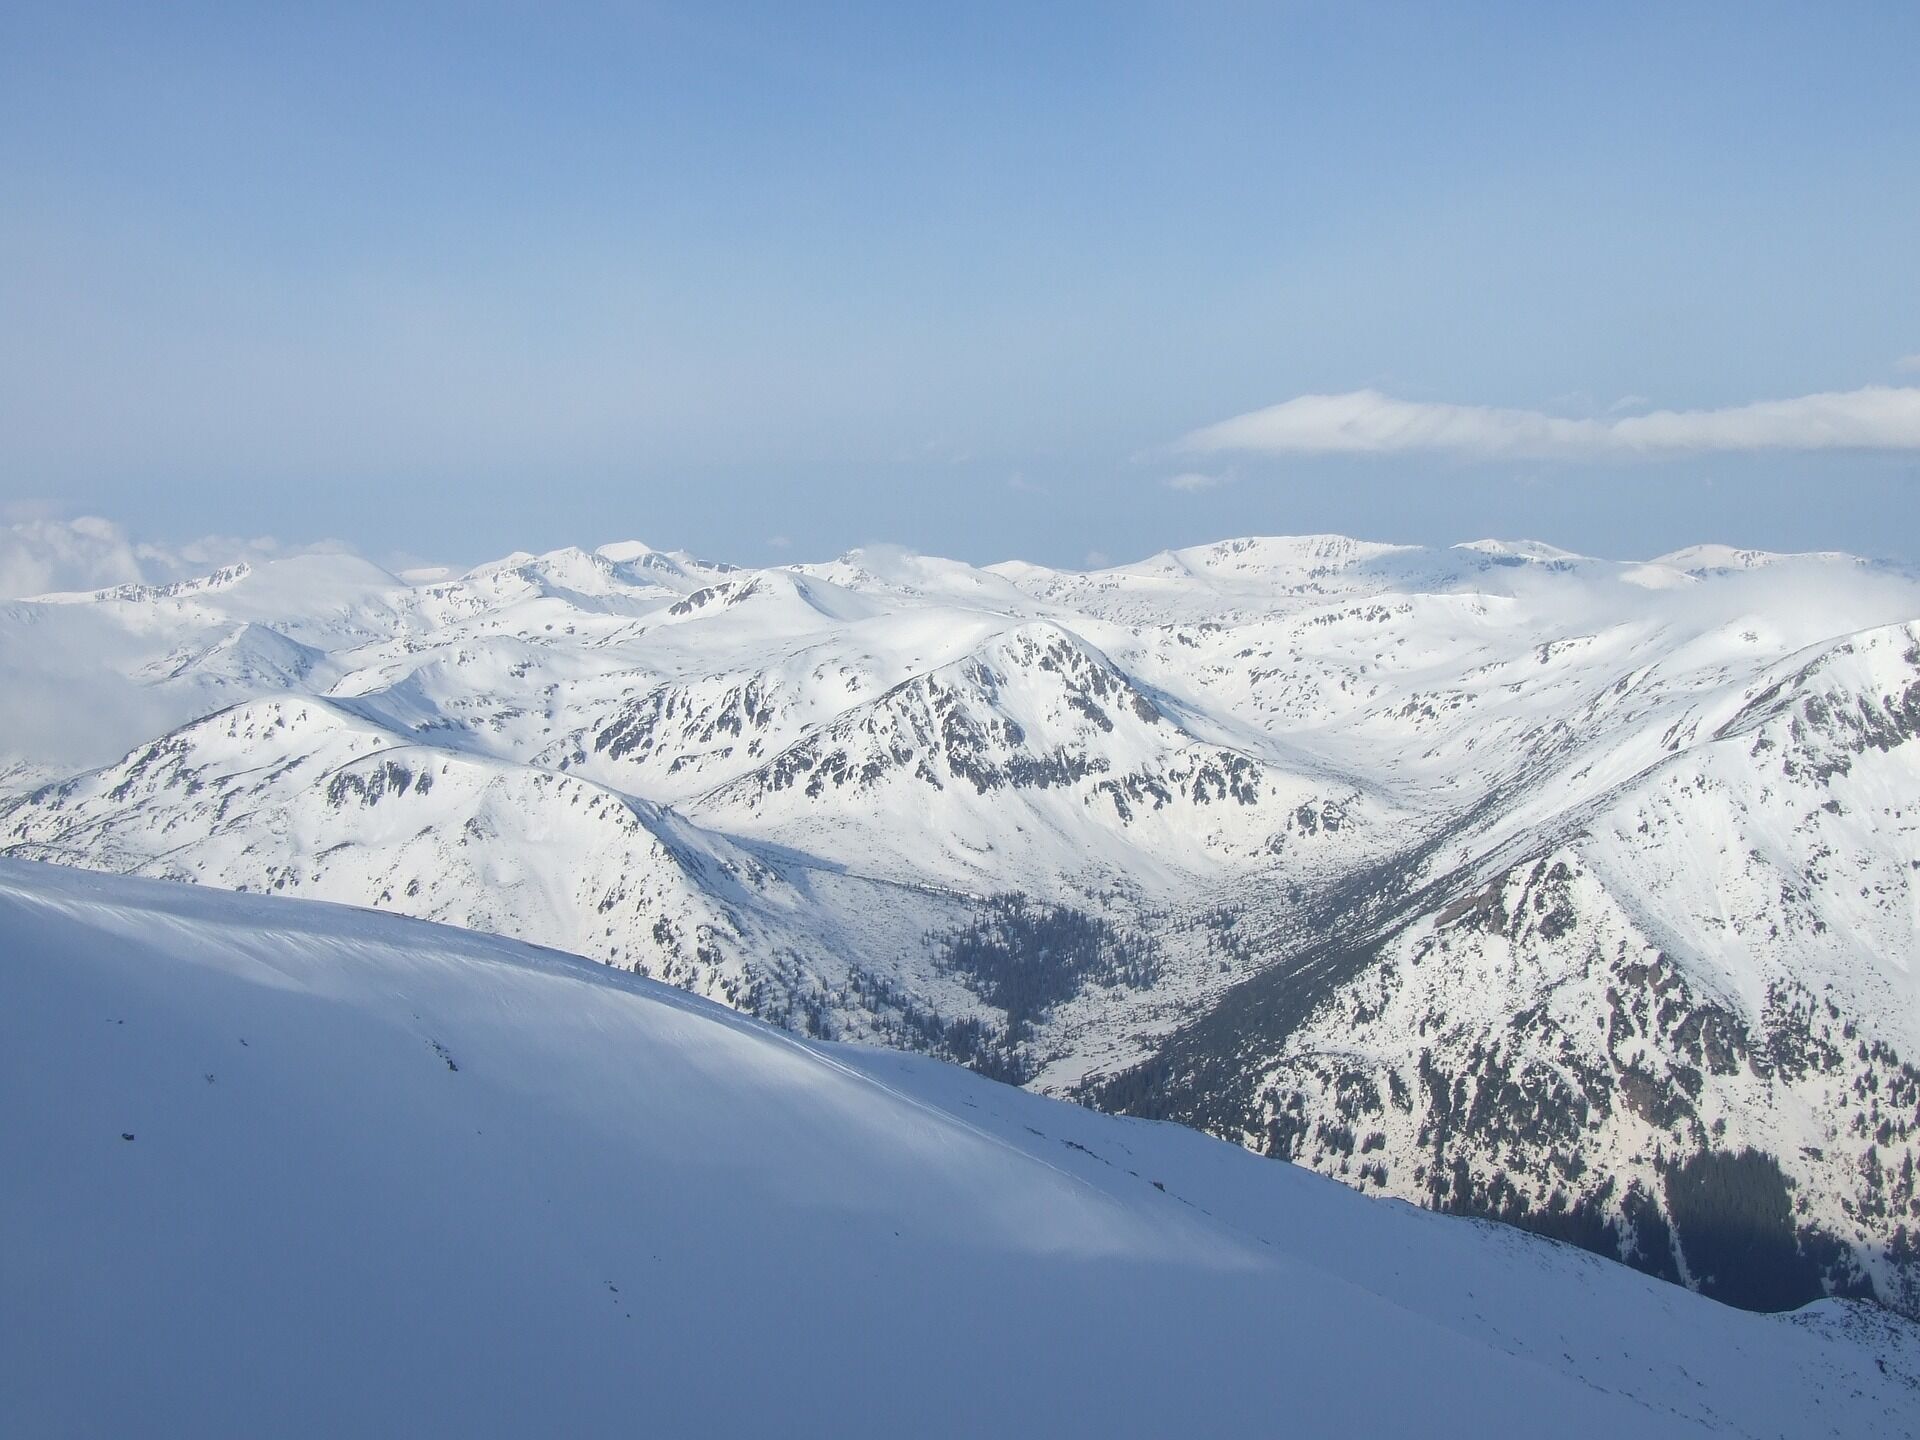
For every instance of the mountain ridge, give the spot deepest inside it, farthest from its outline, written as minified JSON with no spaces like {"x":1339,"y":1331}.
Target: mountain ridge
{"x":1064,"y":825}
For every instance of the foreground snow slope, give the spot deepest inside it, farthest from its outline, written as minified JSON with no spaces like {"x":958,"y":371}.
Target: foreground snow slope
{"x":279,"y":1167}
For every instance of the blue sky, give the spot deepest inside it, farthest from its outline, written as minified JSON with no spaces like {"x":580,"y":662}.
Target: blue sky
{"x":770,"y":282}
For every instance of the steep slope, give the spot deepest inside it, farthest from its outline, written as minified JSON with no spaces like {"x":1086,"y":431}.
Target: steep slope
{"x":312,"y":797}
{"x":1033,"y":754}
{"x":304,"y":797}
{"x":275,"y":1146}
{"x":1606,"y":1011}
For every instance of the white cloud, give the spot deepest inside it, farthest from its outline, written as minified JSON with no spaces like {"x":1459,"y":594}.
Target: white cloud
{"x":1195,"y":480}
{"x":1908,"y":363}
{"x":1097,"y":560}
{"x":1366,"y":422}
{"x":779,"y":542}
{"x":42,"y":555}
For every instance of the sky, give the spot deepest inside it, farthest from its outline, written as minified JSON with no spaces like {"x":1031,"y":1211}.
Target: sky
{"x":1067,"y":282}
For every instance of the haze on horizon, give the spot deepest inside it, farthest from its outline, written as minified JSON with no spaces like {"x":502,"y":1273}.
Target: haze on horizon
{"x":1061,"y":284}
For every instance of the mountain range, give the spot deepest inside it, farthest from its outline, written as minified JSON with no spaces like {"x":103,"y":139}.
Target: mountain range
{"x":1575,"y":893}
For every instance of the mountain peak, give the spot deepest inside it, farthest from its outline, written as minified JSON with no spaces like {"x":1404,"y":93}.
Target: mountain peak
{"x":620,"y":552}
{"x":1706,"y":559}
{"x":1519,"y":549}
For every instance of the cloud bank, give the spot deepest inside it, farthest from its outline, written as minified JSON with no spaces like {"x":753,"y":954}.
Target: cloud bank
{"x":40,"y":556}
{"x":1366,"y":422}
{"x":37,"y":556}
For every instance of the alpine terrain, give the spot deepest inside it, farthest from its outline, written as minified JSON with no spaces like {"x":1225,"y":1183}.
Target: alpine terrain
{"x":1575,"y":893}
{"x":297,"y":1169}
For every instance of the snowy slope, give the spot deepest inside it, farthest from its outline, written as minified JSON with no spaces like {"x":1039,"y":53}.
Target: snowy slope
{"x":310,"y":797}
{"x":1680,"y":952}
{"x":1369,"y":855}
{"x":296,"y":1169}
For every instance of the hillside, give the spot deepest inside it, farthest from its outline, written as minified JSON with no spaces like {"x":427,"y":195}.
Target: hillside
{"x":263,"y":1144}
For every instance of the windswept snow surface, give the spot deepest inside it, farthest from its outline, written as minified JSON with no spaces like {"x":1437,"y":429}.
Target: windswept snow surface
{"x":1495,"y":877}
{"x":274,"y":1167}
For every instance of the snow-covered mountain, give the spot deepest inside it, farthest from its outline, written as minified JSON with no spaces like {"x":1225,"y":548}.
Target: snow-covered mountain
{"x":259,"y":1145}
{"x":1508,"y":880}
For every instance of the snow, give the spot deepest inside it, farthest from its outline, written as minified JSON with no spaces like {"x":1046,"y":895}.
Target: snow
{"x":277,"y":1167}
{"x":783,"y":787}
{"x":1706,"y":559}
{"x":1519,"y":549}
